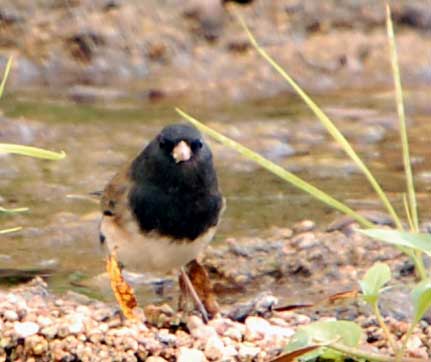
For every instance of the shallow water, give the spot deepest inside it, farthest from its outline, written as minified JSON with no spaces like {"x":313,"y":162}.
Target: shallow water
{"x":60,"y":230}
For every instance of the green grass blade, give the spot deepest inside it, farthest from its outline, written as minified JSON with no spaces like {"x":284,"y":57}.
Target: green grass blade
{"x":329,"y":125}
{"x":31,"y":151}
{"x":408,"y":214}
{"x":11,"y":230}
{"x":5,"y":75}
{"x":402,"y":118}
{"x":12,"y":211}
{"x":277,"y":170}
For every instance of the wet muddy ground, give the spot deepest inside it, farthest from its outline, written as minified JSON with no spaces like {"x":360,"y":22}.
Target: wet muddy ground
{"x":258,"y":246}
{"x":268,"y":250}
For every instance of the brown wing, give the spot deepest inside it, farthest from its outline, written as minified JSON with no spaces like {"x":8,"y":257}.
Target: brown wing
{"x":113,"y":203}
{"x":115,"y":195}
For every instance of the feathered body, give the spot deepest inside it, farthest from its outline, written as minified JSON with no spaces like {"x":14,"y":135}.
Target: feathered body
{"x":159,"y":213}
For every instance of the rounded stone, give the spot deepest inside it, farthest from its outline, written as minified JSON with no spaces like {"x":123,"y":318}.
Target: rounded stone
{"x":26,"y":329}
{"x":214,"y":348}
{"x":11,"y":315}
{"x":190,"y":355}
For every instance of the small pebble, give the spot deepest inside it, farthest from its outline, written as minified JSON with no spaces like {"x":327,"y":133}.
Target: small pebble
{"x":194,"y":322}
{"x":414,"y":343}
{"x":304,"y":226}
{"x":203,"y":333}
{"x":44,"y":321}
{"x":166,"y":338}
{"x":304,"y":240}
{"x":49,"y":331}
{"x":26,"y":329}
{"x":76,"y":326}
{"x":234,"y":334}
{"x":214,"y":348}
{"x":190,"y":355}
{"x":11,"y":315}
{"x":256,"y":328}
{"x":247,"y":353}
{"x":155,"y":359}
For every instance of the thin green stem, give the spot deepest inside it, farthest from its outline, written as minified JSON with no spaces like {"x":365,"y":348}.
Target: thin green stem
{"x":12,"y":211}
{"x":5,"y":75}
{"x":408,"y":213}
{"x":277,"y":170}
{"x":402,"y":119}
{"x":11,"y":230}
{"x":329,"y":125}
{"x":31,"y":151}
{"x":384,"y":327}
{"x":419,"y":264}
{"x":403,"y":348}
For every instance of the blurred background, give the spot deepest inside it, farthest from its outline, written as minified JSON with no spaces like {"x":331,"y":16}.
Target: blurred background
{"x":107,"y":50}
{"x":99,"y":78}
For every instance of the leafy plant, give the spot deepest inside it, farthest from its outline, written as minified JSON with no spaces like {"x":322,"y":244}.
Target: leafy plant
{"x":372,"y":285}
{"x":332,"y":341}
{"x":21,"y":150}
{"x":321,"y":335}
{"x":373,"y":282}
{"x":410,"y":242}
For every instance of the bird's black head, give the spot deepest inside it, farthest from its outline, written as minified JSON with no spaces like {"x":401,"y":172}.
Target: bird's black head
{"x":177,"y":157}
{"x":182,"y":143}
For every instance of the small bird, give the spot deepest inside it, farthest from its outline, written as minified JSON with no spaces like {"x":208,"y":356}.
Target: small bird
{"x":162,"y":209}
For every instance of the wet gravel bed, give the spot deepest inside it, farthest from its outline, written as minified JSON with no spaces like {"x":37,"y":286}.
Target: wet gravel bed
{"x":307,"y":261}
{"x":38,"y":326}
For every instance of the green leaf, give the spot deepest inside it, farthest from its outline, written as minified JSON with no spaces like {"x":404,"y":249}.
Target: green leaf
{"x":344,"y":332}
{"x":13,"y":211}
{"x":325,"y":332}
{"x":31,"y":151}
{"x":421,"y":296}
{"x":417,"y":241}
{"x":5,"y":75}
{"x":374,"y":280}
{"x":299,"y":340}
{"x":11,"y":230}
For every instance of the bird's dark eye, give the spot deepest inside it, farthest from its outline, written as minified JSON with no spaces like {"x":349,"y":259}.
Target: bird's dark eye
{"x":166,"y":144}
{"x":196,"y":145}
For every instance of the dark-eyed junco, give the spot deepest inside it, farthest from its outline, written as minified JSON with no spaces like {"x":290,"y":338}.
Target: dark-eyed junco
{"x":162,"y":209}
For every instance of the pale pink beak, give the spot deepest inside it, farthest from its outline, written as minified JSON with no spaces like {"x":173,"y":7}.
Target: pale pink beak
{"x":181,"y":152}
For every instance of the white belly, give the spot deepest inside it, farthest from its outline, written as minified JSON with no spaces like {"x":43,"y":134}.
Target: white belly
{"x":145,"y":254}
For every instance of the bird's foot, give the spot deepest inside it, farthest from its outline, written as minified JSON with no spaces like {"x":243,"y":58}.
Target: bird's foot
{"x":194,"y":280}
{"x":194,"y":295}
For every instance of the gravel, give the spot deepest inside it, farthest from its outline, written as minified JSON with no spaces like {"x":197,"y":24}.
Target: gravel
{"x":36,"y":325}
